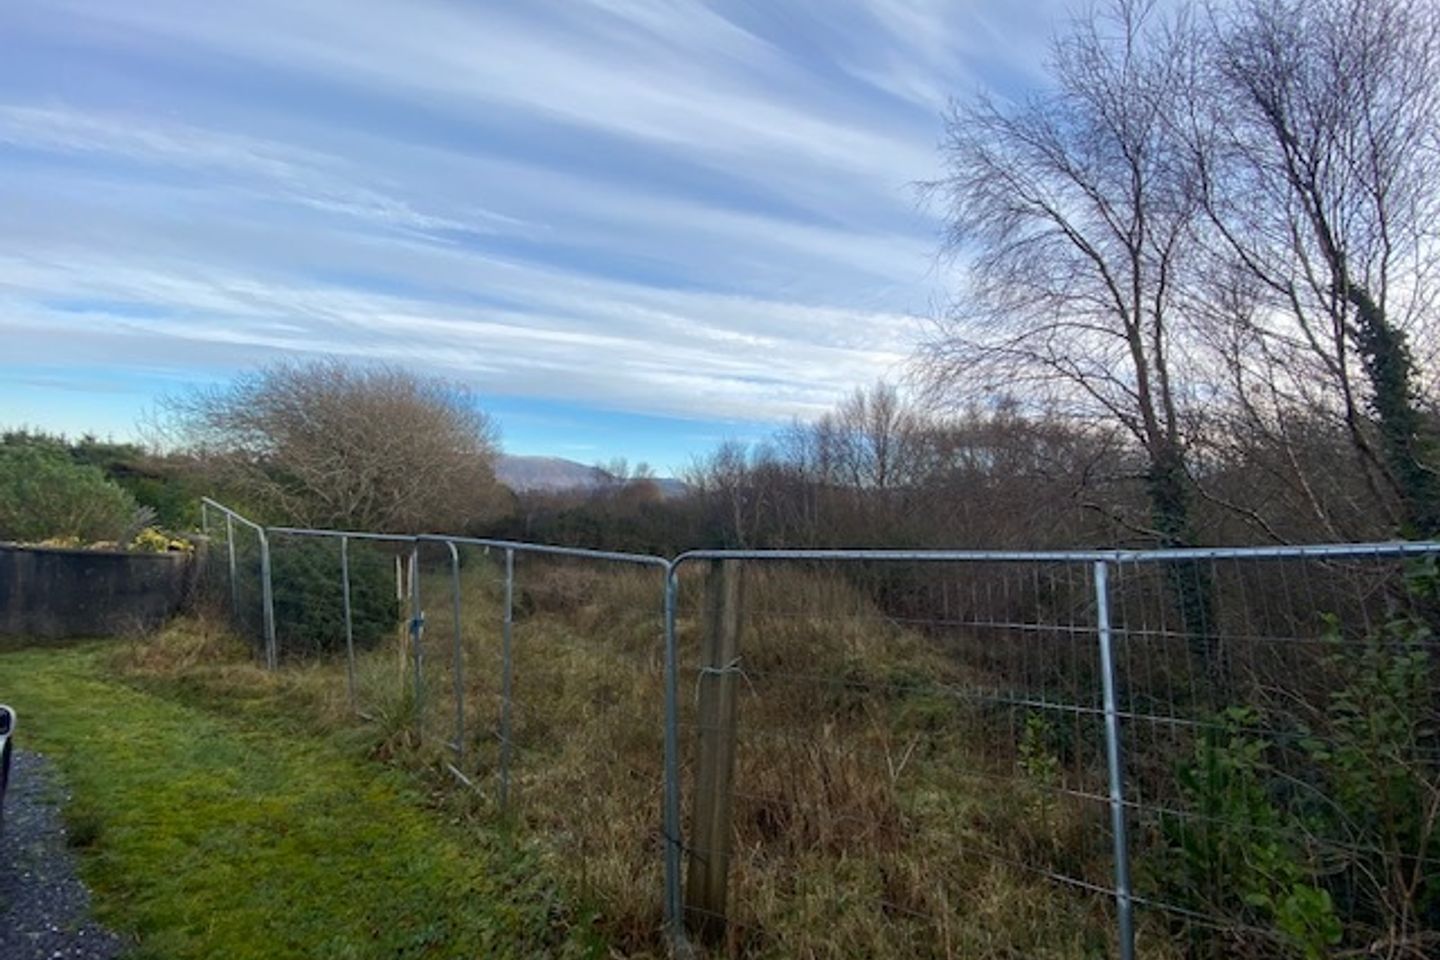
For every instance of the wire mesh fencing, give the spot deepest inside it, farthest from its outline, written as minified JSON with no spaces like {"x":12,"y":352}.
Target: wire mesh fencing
{"x":447,"y":600}
{"x":535,"y":675}
{"x":1279,"y":719}
{"x":343,"y":597}
{"x":212,"y":582}
{"x":565,"y":675}
{"x":1222,"y":754}
{"x":912,"y":757}
{"x":238,"y":576}
{"x":1226,"y":753}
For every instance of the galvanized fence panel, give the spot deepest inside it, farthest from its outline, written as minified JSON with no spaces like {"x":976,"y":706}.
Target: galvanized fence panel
{"x":350,"y":594}
{"x":569,"y":672}
{"x":452,"y":616}
{"x":244,"y":556}
{"x":534,"y":674}
{"x":213,"y":585}
{"x":1282,"y":766}
{"x":1225,"y":753}
{"x":919,"y":759}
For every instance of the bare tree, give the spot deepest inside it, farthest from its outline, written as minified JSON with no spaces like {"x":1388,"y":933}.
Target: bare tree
{"x":877,"y":436}
{"x":1002,"y":478}
{"x":326,"y":444}
{"x":724,"y":480}
{"x":1076,"y":217}
{"x":1076,"y":214}
{"x":1315,"y":147}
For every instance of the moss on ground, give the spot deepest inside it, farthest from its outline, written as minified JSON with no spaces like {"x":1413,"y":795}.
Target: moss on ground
{"x":219,"y":835}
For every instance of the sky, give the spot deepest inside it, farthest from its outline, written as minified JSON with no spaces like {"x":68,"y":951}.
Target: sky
{"x":634,"y":228}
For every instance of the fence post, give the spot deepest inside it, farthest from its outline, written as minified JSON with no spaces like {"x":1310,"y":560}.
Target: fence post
{"x":402,"y":625}
{"x":417,"y":626}
{"x":708,"y":874}
{"x":457,"y":668}
{"x":674,"y":897}
{"x":1113,"y":761}
{"x":506,"y":678}
{"x":349,"y":621}
{"x":267,"y":599}
{"x":234,"y":583}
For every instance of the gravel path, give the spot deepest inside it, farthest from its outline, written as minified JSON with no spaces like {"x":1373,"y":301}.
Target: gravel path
{"x":44,"y":908}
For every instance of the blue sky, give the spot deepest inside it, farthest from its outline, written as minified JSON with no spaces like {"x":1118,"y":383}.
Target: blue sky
{"x":634,"y":227}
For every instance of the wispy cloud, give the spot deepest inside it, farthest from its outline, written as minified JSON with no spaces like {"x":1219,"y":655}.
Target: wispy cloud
{"x":693,"y":209}
{"x":262,"y":167}
{"x":637,"y":347}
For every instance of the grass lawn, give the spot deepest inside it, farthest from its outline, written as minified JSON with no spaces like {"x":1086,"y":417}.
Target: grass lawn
{"x":227,"y":834}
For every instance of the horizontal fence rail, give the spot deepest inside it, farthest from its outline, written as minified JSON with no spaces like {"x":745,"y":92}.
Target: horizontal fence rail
{"x":1134,"y":753}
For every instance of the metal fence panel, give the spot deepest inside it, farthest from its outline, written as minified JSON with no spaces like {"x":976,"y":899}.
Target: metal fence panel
{"x":1199,"y":753}
{"x":245,"y":555}
{"x":1234,"y":750}
{"x":920,"y":760}
{"x":1282,"y":775}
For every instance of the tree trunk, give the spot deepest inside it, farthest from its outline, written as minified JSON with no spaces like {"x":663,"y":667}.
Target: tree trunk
{"x":1191,"y":582}
{"x":1388,"y":365}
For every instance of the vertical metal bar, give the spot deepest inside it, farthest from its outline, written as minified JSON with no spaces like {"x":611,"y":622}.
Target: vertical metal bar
{"x":417,"y":621}
{"x":349,"y":621}
{"x":1123,"y":906}
{"x":267,"y":599}
{"x":673,"y":898}
{"x":457,"y":668}
{"x":234,"y":583}
{"x":506,"y":678}
{"x":404,"y":625}
{"x":207,"y":571}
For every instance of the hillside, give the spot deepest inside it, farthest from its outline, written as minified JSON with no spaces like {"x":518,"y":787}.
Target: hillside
{"x":524,"y":474}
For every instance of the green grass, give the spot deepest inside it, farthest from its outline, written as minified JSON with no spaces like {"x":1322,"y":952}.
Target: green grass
{"x":216,"y":834}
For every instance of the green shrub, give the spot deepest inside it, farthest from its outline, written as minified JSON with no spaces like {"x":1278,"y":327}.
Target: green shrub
{"x":1237,"y":850}
{"x":166,"y":484}
{"x":1331,"y":843}
{"x":44,"y":495}
{"x":174,"y":497}
{"x":309,"y":598}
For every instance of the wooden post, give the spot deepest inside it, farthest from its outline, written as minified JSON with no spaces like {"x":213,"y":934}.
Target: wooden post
{"x":708,"y":871}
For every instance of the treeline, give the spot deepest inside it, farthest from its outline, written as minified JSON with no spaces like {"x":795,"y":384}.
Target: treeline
{"x":879,"y":471}
{"x":1214,"y":233}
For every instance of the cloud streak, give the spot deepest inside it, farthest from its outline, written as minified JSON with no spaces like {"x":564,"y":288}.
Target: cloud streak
{"x":688,"y":209}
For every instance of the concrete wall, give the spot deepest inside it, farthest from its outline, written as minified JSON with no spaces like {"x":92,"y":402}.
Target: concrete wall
{"x":47,"y":592}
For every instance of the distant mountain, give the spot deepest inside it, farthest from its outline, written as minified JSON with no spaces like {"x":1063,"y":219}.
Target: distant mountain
{"x":671,"y":487}
{"x":525,"y":474}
